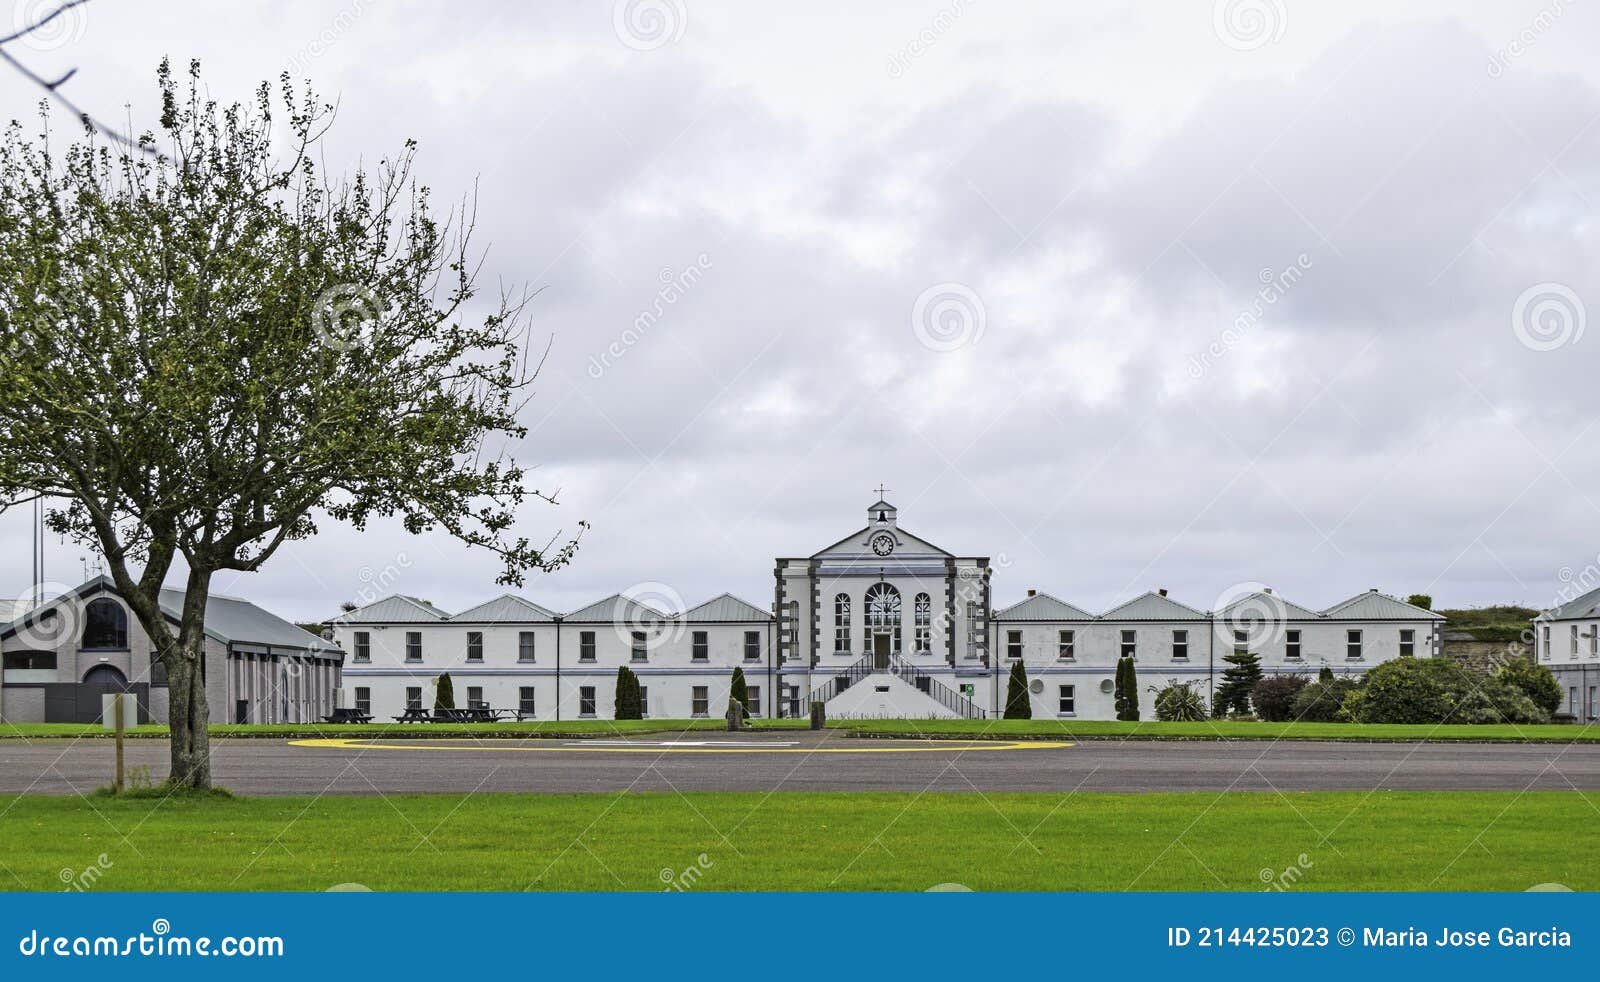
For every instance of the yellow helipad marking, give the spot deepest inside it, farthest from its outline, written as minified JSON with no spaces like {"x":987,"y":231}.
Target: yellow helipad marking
{"x":696,"y":747}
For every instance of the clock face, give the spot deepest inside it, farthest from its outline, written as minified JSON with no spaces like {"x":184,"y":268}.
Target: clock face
{"x":883,"y":543}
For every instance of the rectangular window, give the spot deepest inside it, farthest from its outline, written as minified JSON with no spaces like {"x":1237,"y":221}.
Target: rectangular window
{"x":586,"y":646}
{"x":1291,"y":645}
{"x":1068,"y":702}
{"x":1594,"y":640}
{"x":794,"y":702}
{"x":363,"y":652}
{"x":1574,"y":640}
{"x":1544,"y":635}
{"x":701,"y":701}
{"x":26,"y":660}
{"x":644,"y":701}
{"x":1572,"y":700}
{"x":1241,"y":642}
{"x":1130,"y":645}
{"x":475,"y":697}
{"x":474,"y":646}
{"x":700,"y":647}
{"x":413,"y":697}
{"x":640,"y":646}
{"x":1013,"y":644}
{"x":527,"y":705}
{"x":1591,"y":701}
{"x":525,"y":647}
{"x":586,"y":700}
{"x":1352,"y":644}
{"x":1408,"y":643}
{"x":413,"y":646}
{"x":1066,"y":642}
{"x":755,"y":700}
{"x":752,"y":646}
{"x":1180,"y":645}
{"x":363,"y":700}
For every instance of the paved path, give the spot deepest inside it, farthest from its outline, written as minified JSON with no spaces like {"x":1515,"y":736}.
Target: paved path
{"x":805,"y":761}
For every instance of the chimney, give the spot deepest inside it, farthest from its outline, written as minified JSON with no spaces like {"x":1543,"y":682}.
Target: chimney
{"x":1162,"y":591}
{"x":1267,"y":590}
{"x":1033,"y":593}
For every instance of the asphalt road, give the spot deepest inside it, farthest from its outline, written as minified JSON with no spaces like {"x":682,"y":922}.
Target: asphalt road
{"x":805,"y":761}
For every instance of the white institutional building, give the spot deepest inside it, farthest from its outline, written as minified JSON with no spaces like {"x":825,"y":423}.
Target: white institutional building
{"x":882,"y":623}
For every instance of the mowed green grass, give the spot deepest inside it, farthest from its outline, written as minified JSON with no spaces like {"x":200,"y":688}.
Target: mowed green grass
{"x":1061,"y":729}
{"x":531,"y":728}
{"x":793,"y":841}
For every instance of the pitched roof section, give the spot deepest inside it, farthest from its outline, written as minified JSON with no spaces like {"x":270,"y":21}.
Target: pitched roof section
{"x":1587,"y":605}
{"x":1269,"y":603}
{"x":856,"y":544}
{"x":1153,"y":606}
{"x":505,"y":609}
{"x":727,"y":607}
{"x":238,"y":621}
{"x":615,"y":609}
{"x":394,"y":609}
{"x":1375,"y":606}
{"x":1043,"y":607}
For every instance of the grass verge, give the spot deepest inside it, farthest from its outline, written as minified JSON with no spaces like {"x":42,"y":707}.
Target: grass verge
{"x":1062,"y":729}
{"x":569,"y":729}
{"x":793,"y":841}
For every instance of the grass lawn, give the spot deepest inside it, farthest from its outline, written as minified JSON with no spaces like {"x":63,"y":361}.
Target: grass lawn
{"x":533,"y":728}
{"x":795,"y":841}
{"x":1063,"y":729}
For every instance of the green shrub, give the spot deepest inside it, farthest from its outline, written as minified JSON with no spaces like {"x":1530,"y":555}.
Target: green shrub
{"x":1018,"y":705}
{"x":738,"y":691}
{"x":1273,"y":696}
{"x":1127,"y":691}
{"x":444,"y":693}
{"x":629,"y":701}
{"x":1437,"y":690}
{"x":1322,"y":700}
{"x":1536,"y":682}
{"x":1179,"y":702}
{"x":1238,"y":680}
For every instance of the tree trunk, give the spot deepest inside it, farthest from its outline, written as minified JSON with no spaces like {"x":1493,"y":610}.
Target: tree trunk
{"x":187,"y":712}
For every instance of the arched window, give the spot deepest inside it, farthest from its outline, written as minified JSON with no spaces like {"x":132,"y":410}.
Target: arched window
{"x":841,"y":622}
{"x":105,"y":624}
{"x":883,"y":612}
{"x":923,"y":609}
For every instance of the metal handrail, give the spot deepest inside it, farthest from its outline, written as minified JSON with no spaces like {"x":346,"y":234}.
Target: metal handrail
{"x":936,"y":690}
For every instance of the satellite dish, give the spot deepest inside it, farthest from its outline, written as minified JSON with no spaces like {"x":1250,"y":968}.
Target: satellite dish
{"x":327,"y":634}
{"x":1106,"y":685}
{"x":1036,"y":686}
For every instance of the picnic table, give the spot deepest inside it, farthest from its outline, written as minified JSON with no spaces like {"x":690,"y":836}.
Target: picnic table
{"x":414,"y":714}
{"x":348,"y":716}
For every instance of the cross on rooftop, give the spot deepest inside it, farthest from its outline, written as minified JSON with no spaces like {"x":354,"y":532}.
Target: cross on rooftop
{"x":882,"y":491}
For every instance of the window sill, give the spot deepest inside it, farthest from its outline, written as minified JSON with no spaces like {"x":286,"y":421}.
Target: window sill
{"x":528,"y":661}
{"x":1066,"y":715}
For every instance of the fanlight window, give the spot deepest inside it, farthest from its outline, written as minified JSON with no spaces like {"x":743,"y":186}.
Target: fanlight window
{"x":841,"y":622}
{"x":924,"y":614}
{"x":883,"y":606}
{"x":105,"y":624}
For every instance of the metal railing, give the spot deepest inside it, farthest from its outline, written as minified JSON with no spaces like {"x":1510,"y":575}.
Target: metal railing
{"x":931,"y":687}
{"x":919,"y":679}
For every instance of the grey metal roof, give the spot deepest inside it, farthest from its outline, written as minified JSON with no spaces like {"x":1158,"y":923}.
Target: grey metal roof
{"x":395,"y":609}
{"x":507,"y":608}
{"x":615,"y":609}
{"x":1375,"y":606}
{"x":1043,"y":607}
{"x":1271,"y":604}
{"x":9,"y":609}
{"x":726,"y":607}
{"x":1153,"y":606}
{"x":1587,"y":605}
{"x":237,"y":621}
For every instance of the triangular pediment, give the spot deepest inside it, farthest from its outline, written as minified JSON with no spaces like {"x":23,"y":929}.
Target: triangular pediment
{"x":859,"y":543}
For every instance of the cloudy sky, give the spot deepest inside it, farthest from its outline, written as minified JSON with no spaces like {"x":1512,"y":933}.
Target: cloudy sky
{"x":1156,"y":294}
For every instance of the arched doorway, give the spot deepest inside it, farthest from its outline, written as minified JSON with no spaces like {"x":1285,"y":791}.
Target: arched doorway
{"x":882,"y":623}
{"x":99,"y":682}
